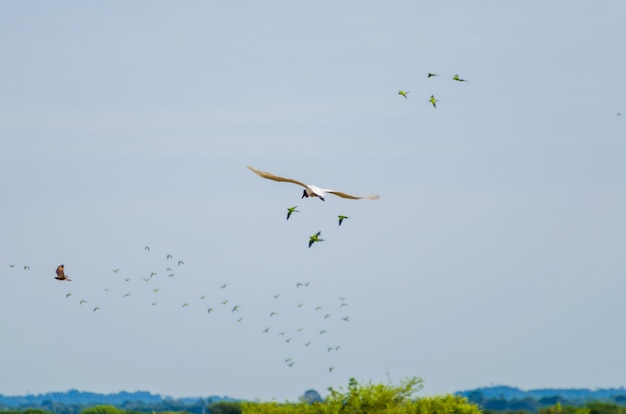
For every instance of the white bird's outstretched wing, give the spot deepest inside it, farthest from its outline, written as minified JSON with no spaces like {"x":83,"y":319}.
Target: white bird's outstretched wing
{"x":311,"y":188}
{"x":271,"y":176}
{"x":344,"y":195}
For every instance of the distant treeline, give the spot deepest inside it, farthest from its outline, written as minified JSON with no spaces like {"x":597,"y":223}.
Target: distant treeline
{"x":503,"y":398}
{"x":490,"y":400}
{"x":75,"y":402}
{"x":354,"y":399}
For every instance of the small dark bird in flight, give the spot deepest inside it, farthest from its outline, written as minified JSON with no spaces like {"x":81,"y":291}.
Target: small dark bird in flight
{"x":147,"y":248}
{"x":96,"y":308}
{"x":61,"y":274}
{"x":82,"y":301}
{"x":430,"y":75}
{"x":180,"y":262}
{"x":169,"y":256}
{"x":26,"y":267}
{"x":342,"y":218}
{"x":291,"y":210}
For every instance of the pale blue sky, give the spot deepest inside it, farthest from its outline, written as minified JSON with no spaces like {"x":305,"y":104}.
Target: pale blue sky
{"x":495,"y":254}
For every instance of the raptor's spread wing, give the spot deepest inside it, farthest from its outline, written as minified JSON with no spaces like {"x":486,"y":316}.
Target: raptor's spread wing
{"x":273,"y":177}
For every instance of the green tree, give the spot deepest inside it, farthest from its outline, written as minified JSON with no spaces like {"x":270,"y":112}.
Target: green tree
{"x":600,"y":407}
{"x":102,"y":409}
{"x":373,"y":397}
{"x":225,"y":407}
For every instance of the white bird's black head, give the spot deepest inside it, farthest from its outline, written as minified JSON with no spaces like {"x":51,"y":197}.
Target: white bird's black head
{"x":304,"y":194}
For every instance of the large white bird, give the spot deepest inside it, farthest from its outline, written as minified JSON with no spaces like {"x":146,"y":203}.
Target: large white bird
{"x":309,"y":189}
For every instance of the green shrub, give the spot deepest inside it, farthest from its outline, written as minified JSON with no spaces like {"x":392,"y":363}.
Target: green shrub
{"x":371,"y":399}
{"x":102,"y":409}
{"x":445,"y":404}
{"x":225,"y":407}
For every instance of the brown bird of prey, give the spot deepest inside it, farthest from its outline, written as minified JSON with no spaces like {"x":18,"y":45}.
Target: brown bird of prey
{"x":61,"y":274}
{"x":309,"y":189}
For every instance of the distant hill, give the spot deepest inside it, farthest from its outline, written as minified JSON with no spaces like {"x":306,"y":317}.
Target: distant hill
{"x":504,"y":398}
{"x":509,"y":393}
{"x":81,"y":397}
{"x":84,"y":398}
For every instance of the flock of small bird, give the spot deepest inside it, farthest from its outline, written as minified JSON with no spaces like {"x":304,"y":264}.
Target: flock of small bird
{"x":309,"y":337}
{"x":432,"y":99}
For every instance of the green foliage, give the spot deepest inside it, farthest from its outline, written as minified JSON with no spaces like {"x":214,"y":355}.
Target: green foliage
{"x":446,"y":404}
{"x":600,"y":407}
{"x":225,"y":407}
{"x":102,"y":409}
{"x":372,"y":398}
{"x":592,"y":407}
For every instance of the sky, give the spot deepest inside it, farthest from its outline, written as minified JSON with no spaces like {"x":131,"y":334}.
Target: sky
{"x":495,"y":254}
